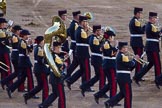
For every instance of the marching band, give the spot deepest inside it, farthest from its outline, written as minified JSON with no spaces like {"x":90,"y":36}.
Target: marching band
{"x":89,"y":46}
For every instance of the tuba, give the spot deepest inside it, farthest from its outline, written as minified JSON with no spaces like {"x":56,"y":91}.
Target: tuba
{"x":57,"y":31}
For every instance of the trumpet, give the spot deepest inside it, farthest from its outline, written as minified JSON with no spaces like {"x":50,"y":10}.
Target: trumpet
{"x":140,"y":60}
{"x":4,"y":66}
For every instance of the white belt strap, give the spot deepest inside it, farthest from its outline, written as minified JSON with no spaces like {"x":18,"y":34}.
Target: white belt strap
{"x":113,"y":58}
{"x":123,"y":71}
{"x":35,"y":61}
{"x":14,"y":49}
{"x":96,"y":54}
{"x":81,"y":44}
{"x":22,"y":55}
{"x":136,"y":35}
{"x":153,"y":40}
{"x":73,"y":41}
{"x":34,"y":45}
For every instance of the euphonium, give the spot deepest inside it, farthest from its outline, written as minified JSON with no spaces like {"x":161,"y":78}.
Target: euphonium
{"x":56,"y":31}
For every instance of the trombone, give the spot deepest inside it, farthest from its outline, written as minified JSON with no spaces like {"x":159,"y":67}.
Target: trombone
{"x":140,"y":60}
{"x":4,"y":66}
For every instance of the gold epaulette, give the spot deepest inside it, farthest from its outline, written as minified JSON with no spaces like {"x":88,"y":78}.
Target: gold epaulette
{"x":125,"y":58}
{"x":40,"y":52}
{"x":76,"y":26}
{"x":154,"y":28}
{"x":106,"y":45}
{"x":23,"y":45}
{"x":83,"y":34}
{"x":137,"y":23}
{"x":14,"y":39}
{"x":58,"y":60}
{"x":2,"y":34}
{"x":95,"y":41}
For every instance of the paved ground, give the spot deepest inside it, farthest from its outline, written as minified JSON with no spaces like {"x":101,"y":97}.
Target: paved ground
{"x":35,"y":15}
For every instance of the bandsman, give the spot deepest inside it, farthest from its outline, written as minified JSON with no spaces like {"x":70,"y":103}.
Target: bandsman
{"x":152,"y":48}
{"x":56,"y":82}
{"x":4,"y":50}
{"x":65,"y":47}
{"x":24,"y":63}
{"x":124,"y":68}
{"x":14,"y":54}
{"x":40,"y":70}
{"x":82,"y":52}
{"x":109,"y":65}
{"x":96,"y":60}
{"x":136,"y":34}
{"x":72,"y":28}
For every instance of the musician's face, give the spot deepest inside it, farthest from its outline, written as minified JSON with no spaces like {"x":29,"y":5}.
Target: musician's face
{"x":25,"y":37}
{"x":42,"y":43}
{"x":3,"y":25}
{"x":64,"y":16}
{"x":77,"y":17}
{"x":17,"y":32}
{"x":111,"y":38}
{"x":98,"y":32}
{"x":57,"y":49}
{"x":139,"y":14}
{"x":84,"y":24}
{"x":125,"y":49}
{"x":153,"y":19}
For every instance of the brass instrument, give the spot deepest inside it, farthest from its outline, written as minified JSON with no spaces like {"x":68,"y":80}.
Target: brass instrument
{"x":58,"y":32}
{"x":89,"y":15}
{"x":140,"y":60}
{"x":90,"y":18}
{"x":159,"y":28}
{"x":4,"y":66}
{"x":143,"y":21}
{"x":158,"y":24}
{"x":3,"y":6}
{"x":106,"y":29}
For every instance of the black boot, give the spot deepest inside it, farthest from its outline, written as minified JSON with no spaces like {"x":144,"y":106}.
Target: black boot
{"x":25,"y":98}
{"x":136,"y":81}
{"x":96,"y":98}
{"x":9,"y":93}
{"x":82,"y":91}
{"x":40,"y":106}
{"x":68,"y":84}
{"x":157,"y":84}
{"x":107,"y":105}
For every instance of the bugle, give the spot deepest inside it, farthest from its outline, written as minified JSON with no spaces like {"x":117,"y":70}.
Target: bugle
{"x":4,"y":66}
{"x":140,"y":60}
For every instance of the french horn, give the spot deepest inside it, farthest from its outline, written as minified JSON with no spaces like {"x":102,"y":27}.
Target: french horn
{"x":3,"y":6}
{"x":57,"y":31}
{"x":89,"y":15}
